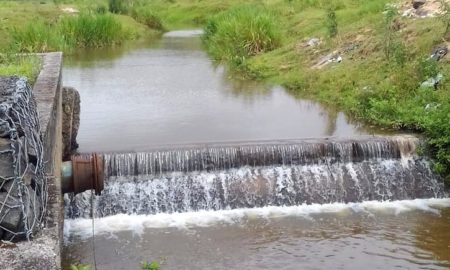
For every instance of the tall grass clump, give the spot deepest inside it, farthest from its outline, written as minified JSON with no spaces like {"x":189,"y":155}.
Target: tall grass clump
{"x":36,"y":37}
{"x":241,"y":32}
{"x":147,"y":17}
{"x":331,"y":22}
{"x":84,"y":30}
{"x":91,"y":30}
{"x":118,"y":6}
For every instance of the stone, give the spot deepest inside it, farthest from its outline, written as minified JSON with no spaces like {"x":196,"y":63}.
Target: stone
{"x":313,"y":42}
{"x":6,"y":158}
{"x":71,"y":120}
{"x":439,"y":52}
{"x":11,"y":214}
{"x":418,"y":3}
{"x":432,"y":82}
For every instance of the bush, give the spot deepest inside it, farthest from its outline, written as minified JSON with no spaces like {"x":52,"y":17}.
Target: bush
{"x":437,"y":131}
{"x":117,"y":6}
{"x":242,"y":32}
{"x":331,"y":23}
{"x":427,"y":68}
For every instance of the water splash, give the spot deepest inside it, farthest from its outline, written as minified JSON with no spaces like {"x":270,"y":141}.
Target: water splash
{"x":251,"y":187}
{"x":82,"y":228}
{"x":260,"y":175}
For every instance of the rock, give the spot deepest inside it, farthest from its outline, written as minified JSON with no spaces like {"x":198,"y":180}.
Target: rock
{"x":418,"y":3}
{"x":6,"y":158}
{"x":313,"y":42}
{"x":333,"y":57}
{"x":432,"y":82}
{"x":432,"y":106}
{"x":439,"y":53}
{"x":11,"y":214}
{"x":71,"y":120}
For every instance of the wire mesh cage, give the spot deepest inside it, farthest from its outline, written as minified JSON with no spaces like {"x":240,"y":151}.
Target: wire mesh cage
{"x":23,"y":185}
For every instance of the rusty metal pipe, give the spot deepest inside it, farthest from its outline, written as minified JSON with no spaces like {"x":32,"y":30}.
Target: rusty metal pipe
{"x":83,"y":173}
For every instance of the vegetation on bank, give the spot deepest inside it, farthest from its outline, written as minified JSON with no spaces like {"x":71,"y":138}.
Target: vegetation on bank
{"x":366,"y":59}
{"x":62,"y":25}
{"x":241,"y":32}
{"x":27,"y":66}
{"x":69,"y":32}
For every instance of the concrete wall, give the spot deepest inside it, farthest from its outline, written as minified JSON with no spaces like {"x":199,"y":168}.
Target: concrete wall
{"x":44,"y":252}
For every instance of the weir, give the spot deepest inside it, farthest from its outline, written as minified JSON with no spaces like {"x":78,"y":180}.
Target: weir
{"x":268,"y":153}
{"x":248,"y":175}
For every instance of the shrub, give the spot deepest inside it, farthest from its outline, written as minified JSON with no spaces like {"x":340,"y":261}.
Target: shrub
{"x":331,"y":22}
{"x":427,"y":68}
{"x":437,"y":131}
{"x":242,"y":32}
{"x":117,"y":6}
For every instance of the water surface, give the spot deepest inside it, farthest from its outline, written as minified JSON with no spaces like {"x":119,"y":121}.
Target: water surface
{"x":369,"y":235}
{"x":169,"y":92}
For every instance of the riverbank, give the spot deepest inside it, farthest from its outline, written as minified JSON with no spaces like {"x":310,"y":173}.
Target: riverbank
{"x":40,"y":26}
{"x":371,"y":59}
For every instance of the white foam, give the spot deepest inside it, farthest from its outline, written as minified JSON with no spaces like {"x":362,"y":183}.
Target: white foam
{"x":137,"y":223}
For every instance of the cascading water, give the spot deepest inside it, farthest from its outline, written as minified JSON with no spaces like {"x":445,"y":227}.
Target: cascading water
{"x":257,"y":175}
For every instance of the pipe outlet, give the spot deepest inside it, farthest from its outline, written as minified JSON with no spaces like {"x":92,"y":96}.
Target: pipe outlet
{"x":83,"y":173}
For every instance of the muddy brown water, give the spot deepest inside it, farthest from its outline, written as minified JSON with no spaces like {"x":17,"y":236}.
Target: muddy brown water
{"x":397,"y":235}
{"x":168,"y":91}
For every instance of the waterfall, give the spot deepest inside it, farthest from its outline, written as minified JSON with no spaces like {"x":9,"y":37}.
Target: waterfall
{"x":223,"y":157}
{"x":221,"y":177}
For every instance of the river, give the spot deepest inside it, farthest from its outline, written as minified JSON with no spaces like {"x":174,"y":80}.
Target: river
{"x":167,"y":92}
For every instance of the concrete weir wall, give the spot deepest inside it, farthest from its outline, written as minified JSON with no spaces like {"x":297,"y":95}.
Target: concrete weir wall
{"x":44,"y":251}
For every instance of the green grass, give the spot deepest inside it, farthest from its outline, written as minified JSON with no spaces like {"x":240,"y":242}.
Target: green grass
{"x":18,"y":13}
{"x":80,"y":267}
{"x":27,"y":66}
{"x":69,"y":32}
{"x":153,"y":265}
{"x":242,"y":32}
{"x":42,"y":24}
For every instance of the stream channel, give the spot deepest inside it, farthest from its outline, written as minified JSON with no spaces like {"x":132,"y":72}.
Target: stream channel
{"x":168,"y":92}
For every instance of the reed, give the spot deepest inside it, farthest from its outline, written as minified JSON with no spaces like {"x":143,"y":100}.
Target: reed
{"x":242,"y":32}
{"x":68,"y":33}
